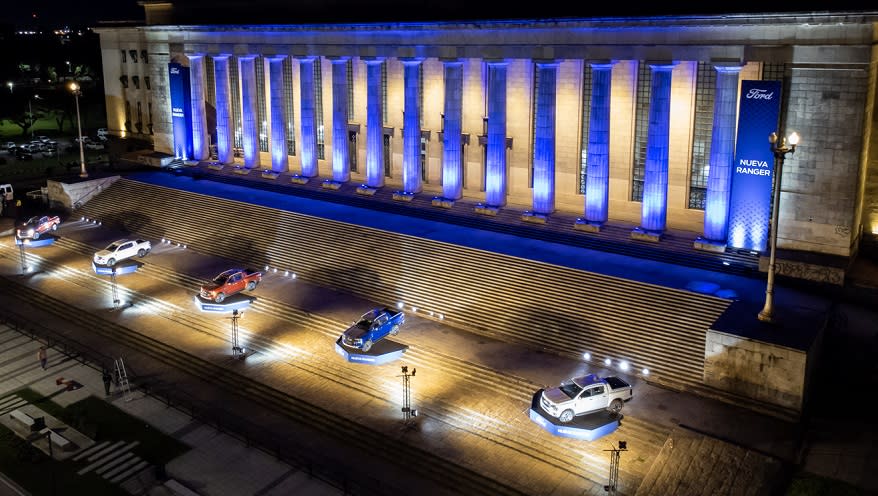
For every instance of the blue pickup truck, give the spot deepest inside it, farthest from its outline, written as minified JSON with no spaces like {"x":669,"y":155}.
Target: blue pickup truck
{"x":374,"y":325}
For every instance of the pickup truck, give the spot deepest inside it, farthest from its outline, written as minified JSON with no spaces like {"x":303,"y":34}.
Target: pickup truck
{"x":230,"y":282}
{"x":34,"y":227}
{"x":122,"y":249}
{"x":585,"y":394}
{"x":374,"y":325}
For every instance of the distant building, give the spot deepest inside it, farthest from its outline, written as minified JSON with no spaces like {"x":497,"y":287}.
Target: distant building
{"x":659,"y":122}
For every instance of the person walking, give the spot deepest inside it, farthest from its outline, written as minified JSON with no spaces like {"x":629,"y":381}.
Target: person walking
{"x":43,"y":356}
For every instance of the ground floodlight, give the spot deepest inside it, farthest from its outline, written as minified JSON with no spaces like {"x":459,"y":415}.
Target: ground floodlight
{"x":275,"y":270}
{"x":293,"y":276}
{"x":414,"y":309}
{"x":623,"y":445}
{"x":441,"y":316}
{"x":645,"y":371}
{"x":266,"y":267}
{"x":623,"y":365}
{"x":586,"y":355}
{"x":607,"y":362}
{"x":400,"y":305}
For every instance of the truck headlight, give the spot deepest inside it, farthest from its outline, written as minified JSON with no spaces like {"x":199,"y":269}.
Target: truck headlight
{"x":30,"y":232}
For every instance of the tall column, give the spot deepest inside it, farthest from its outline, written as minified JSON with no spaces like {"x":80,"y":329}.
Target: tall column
{"x":223,"y":109}
{"x":452,"y":168}
{"x":279,"y":160}
{"x":308,"y":113}
{"x":249,"y":113}
{"x":341,"y":168}
{"x":495,"y":180}
{"x":597,"y":189}
{"x":411,"y":136}
{"x":722,"y":153}
{"x":374,"y":125}
{"x":655,"y":177}
{"x":544,"y":140}
{"x":200,"y":147}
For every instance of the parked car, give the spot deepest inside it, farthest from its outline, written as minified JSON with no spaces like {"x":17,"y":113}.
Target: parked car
{"x":121,"y":250}
{"x":36,"y":226}
{"x":230,"y":282}
{"x":10,"y":146}
{"x":24,"y":154}
{"x":102,"y":134}
{"x":374,"y":325}
{"x":43,"y":139}
{"x":586,"y":394}
{"x":94,"y":145}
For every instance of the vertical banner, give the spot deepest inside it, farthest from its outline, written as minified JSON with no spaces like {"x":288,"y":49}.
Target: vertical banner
{"x":181,"y":110}
{"x":750,"y":203}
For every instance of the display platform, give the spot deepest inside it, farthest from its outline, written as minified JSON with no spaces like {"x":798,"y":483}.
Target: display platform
{"x":586,"y":427}
{"x":45,"y":240}
{"x":239,"y":301}
{"x":384,"y":351}
{"x":121,"y":268}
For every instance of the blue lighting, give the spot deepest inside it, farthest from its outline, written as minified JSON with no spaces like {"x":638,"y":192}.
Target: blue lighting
{"x":411,"y":129}
{"x":279,"y":160}
{"x":655,"y":175}
{"x":452,"y":168}
{"x":247,"y":66}
{"x":340,"y":150}
{"x":598,"y":159}
{"x":309,"y":125}
{"x":223,"y":102}
{"x":374,"y":131}
{"x":722,"y":150}
{"x":199,"y":122}
{"x":544,"y":141}
{"x":181,"y":109}
{"x":495,"y":174}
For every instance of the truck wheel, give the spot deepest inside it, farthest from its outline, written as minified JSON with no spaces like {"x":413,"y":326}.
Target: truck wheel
{"x":367,"y":345}
{"x":111,"y":261}
{"x":394,"y":331}
{"x":36,"y":235}
{"x":251,"y":286}
{"x":616,"y":406}
{"x":141,"y":253}
{"x":54,"y":227}
{"x":566,"y":416}
{"x":220,"y":297}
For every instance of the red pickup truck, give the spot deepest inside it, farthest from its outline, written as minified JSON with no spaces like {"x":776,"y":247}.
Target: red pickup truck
{"x":230,"y":282}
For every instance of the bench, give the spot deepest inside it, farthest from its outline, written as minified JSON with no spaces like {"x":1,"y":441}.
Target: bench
{"x":57,"y":439}
{"x":22,"y":417}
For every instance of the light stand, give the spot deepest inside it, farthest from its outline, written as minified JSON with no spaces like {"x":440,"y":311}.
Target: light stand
{"x":115,"y":288}
{"x":780,"y":153}
{"x":615,"y":455}
{"x":75,"y":88}
{"x":408,"y":412}
{"x":22,"y":257}
{"x":237,"y":350}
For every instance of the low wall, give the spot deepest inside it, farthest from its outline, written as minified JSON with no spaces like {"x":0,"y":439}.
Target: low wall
{"x":70,"y":196}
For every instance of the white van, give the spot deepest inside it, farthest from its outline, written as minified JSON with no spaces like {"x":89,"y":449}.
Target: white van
{"x":6,"y":192}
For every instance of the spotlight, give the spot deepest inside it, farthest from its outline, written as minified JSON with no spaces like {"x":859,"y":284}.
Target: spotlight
{"x":607,"y":362}
{"x":81,"y":219}
{"x":275,"y":270}
{"x":286,"y":273}
{"x":586,"y":355}
{"x":645,"y":371}
{"x":400,"y":305}
{"x":431,"y":313}
{"x":414,"y":309}
{"x":441,"y":317}
{"x":623,"y":365}
{"x":266,"y":267}
{"x":100,"y":223}
{"x":293,"y":276}
{"x":163,"y":240}
{"x":725,"y":263}
{"x":184,"y":247}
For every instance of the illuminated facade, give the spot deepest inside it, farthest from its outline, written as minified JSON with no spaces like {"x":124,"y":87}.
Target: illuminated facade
{"x":629,"y":120}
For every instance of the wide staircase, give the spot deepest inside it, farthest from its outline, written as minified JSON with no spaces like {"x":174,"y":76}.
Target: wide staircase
{"x":557,"y":309}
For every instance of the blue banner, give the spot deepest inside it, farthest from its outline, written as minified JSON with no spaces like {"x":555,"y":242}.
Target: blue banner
{"x":753,"y":171}
{"x":181,"y":110}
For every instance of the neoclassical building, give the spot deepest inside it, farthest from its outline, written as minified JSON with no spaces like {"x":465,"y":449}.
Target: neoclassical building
{"x":659,"y":122}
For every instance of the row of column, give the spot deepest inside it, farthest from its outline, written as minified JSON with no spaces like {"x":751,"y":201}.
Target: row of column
{"x":655,"y":187}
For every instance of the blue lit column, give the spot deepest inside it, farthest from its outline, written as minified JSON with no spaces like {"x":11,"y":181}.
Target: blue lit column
{"x":249,"y":115}
{"x":199,"y":119}
{"x":452,"y":168}
{"x":722,"y":156}
{"x":411,"y":136}
{"x":223,"y":109}
{"x":341,"y":171}
{"x":308,"y":116}
{"x":279,"y":160}
{"x":374,"y":125}
{"x":544,"y":140}
{"x":597,"y":188}
{"x":655,"y":176}
{"x":495,"y":180}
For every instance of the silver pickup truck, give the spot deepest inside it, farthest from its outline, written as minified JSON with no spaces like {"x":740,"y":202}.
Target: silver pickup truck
{"x":585,"y":394}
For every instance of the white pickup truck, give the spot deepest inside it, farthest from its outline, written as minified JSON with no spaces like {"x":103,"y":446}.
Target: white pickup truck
{"x":122,"y":249}
{"x":585,"y":394}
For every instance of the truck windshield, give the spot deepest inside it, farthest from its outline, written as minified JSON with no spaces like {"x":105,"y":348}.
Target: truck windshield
{"x":570,"y":389}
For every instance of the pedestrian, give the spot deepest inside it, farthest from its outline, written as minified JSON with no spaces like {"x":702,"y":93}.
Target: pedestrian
{"x":107,"y":379}
{"x":43,"y":356}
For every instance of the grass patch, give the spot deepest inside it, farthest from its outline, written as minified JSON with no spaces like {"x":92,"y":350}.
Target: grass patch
{"x":814,"y":485}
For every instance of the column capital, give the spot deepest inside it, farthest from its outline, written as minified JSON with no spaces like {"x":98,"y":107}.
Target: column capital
{"x":221,"y":56}
{"x":372,"y":59}
{"x":502,"y":62}
{"x":338,"y":58}
{"x":278,"y":57}
{"x":411,"y":60}
{"x":661,"y":65}
{"x":451,"y":60}
{"x":305,"y":58}
{"x":546,"y":62}
{"x":249,"y":56}
{"x":601,"y":63}
{"x":727,"y":65}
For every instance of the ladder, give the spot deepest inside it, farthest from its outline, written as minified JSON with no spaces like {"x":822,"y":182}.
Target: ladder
{"x":120,"y":377}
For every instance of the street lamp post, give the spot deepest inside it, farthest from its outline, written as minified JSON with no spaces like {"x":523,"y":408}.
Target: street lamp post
{"x":780,"y":153}
{"x":30,"y":111}
{"x":76,"y":92}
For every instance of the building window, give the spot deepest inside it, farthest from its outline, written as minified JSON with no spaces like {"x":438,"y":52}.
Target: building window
{"x":146,"y":82}
{"x":424,"y":159}
{"x":641,"y":130}
{"x":235,"y":90}
{"x":350,"y":88}
{"x":388,"y":155}
{"x":352,"y":150}
{"x":261,"y":115}
{"x":149,"y":114}
{"x":318,"y":109}
{"x":421,"y":95}
{"x":128,"y":116}
{"x":289,"y":108}
{"x":124,"y":80}
{"x":533,"y":124}
{"x":144,"y":56}
{"x":139,"y":123}
{"x":384,"y":94}
{"x":133,"y":54}
{"x":705,"y":88}
{"x":136,"y":81}
{"x":586,"y":126}
{"x":124,"y":56}
{"x":773,"y":72}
